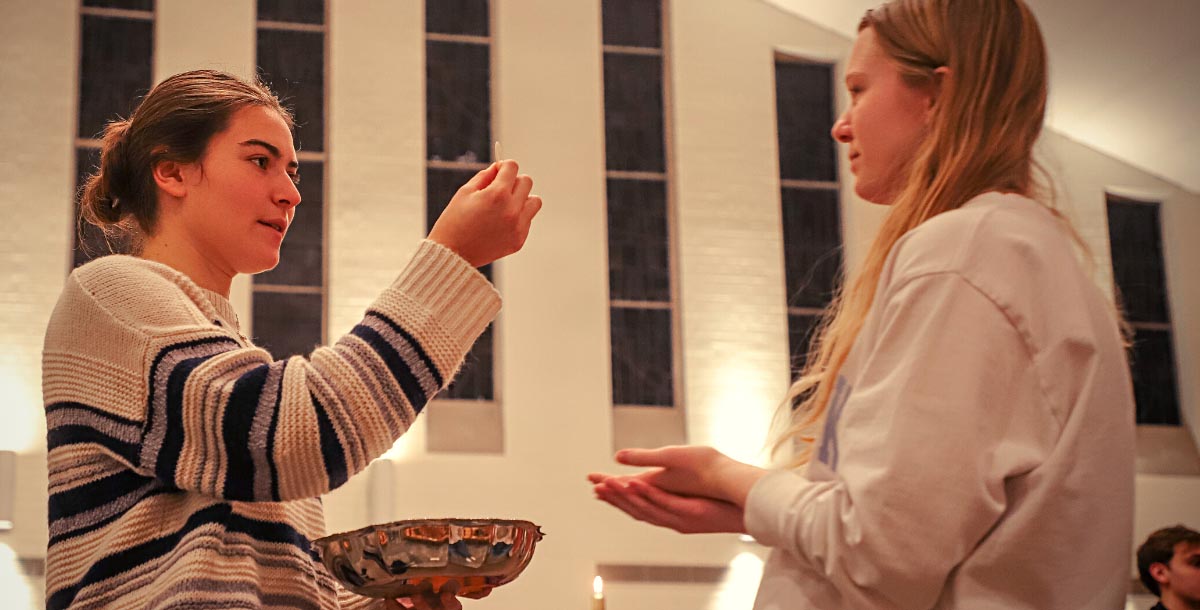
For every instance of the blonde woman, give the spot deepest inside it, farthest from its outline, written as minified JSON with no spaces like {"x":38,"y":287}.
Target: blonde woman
{"x":965,"y":425}
{"x":186,"y":464}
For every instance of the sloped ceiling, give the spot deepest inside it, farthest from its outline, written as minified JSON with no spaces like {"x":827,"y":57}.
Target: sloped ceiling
{"x":1124,"y":76}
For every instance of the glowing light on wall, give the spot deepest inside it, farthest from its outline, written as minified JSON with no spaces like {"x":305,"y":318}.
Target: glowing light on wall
{"x":17,"y":590}
{"x":23,"y":419}
{"x":740,"y":412}
{"x":741,"y":583}
{"x":409,"y":446}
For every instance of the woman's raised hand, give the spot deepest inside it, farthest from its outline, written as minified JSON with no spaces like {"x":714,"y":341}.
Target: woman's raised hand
{"x":489,"y":216}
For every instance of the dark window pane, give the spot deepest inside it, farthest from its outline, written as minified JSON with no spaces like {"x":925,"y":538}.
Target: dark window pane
{"x":638,"y":265}
{"x":1137,"y":259}
{"x":474,"y":380}
{"x":90,"y":242}
{"x":457,"y":17}
{"x":287,"y":324}
{"x":440,"y":186}
{"x":812,"y":253}
{"x":641,"y":357}
{"x":293,"y":64}
{"x":1153,"y":369}
{"x":458,"y":102}
{"x":114,"y":69}
{"x":804,"y":106}
{"x":302,"y":255}
{"x":292,"y":11}
{"x":136,"y":5}
{"x":633,"y":23}
{"x":633,"y":112}
{"x":800,"y":334}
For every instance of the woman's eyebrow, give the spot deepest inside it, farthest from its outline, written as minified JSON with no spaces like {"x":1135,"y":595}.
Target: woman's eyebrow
{"x":271,"y":148}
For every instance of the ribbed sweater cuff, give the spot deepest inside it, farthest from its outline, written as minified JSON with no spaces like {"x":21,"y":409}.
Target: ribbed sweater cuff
{"x":458,"y":296}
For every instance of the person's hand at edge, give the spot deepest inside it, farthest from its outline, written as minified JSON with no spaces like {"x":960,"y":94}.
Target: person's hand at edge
{"x":686,"y":515}
{"x":694,"y":470}
{"x":446,"y":599}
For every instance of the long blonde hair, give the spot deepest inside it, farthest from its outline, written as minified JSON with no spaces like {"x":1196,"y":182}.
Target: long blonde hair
{"x":986,"y":118}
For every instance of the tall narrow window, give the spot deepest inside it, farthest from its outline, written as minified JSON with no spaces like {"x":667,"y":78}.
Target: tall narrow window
{"x":812,"y":235}
{"x":642,"y":299}
{"x":458,"y":136}
{"x":1135,"y":238}
{"x":115,"y":57}
{"x":289,"y":300}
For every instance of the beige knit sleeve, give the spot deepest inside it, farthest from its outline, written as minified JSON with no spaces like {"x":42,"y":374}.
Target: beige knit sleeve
{"x":223,"y":418}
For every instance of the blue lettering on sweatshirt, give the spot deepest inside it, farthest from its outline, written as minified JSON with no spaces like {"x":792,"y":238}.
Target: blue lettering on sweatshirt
{"x":828,"y":452}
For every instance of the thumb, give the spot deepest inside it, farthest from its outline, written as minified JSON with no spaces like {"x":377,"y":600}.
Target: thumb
{"x":643,"y":457}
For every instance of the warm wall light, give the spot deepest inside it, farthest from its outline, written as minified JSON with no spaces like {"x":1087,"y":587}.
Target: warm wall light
{"x":8,"y":485}
{"x":597,"y":593}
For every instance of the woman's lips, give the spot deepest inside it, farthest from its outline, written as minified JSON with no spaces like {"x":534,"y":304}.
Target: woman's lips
{"x":274,"y":225}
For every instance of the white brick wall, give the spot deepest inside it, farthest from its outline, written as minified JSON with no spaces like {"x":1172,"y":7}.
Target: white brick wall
{"x":37,"y":76}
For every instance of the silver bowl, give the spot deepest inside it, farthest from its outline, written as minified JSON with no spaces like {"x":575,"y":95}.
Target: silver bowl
{"x":416,"y":556}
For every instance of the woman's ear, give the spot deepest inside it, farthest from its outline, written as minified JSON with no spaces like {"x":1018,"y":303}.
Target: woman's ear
{"x":170,"y":176}
{"x":937,"y":86}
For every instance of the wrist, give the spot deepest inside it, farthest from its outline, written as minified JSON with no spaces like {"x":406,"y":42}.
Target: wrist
{"x":735,"y":479}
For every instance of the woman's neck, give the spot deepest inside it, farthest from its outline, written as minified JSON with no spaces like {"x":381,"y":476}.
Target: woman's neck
{"x":185,"y":258}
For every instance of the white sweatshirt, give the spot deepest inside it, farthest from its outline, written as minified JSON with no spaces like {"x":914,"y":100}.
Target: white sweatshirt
{"x":978,"y":451}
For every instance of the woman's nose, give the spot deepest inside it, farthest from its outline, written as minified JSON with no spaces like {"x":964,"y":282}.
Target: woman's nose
{"x":289,"y":194}
{"x":841,"y":130}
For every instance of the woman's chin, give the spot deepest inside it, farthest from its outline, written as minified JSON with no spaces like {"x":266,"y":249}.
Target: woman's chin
{"x":260,"y":266}
{"x":871,"y":194}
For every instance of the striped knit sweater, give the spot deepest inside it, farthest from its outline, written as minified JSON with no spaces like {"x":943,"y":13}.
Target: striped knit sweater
{"x":186,"y":464}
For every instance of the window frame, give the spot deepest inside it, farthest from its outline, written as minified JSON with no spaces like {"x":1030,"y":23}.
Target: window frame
{"x":305,"y":156}
{"x":462,"y":404}
{"x":1162,"y":449}
{"x":667,"y":178}
{"x":93,"y":145}
{"x":797,"y":354}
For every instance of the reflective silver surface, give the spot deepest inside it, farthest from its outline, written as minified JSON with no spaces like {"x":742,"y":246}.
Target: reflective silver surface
{"x":405,"y":558}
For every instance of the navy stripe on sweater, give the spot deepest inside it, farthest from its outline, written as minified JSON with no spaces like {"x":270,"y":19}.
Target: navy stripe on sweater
{"x":409,"y":383}
{"x":239,"y":419}
{"x":149,"y":491}
{"x":331,"y":448}
{"x":270,"y":448}
{"x":220,"y":514}
{"x":74,"y":423}
{"x":166,"y":456}
{"x":62,"y":436}
{"x":412,"y":342}
{"x":85,"y":497}
{"x":67,"y":405}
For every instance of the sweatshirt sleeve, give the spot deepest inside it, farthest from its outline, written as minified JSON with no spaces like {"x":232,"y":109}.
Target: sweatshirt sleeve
{"x":223,"y":418}
{"x":938,"y":420}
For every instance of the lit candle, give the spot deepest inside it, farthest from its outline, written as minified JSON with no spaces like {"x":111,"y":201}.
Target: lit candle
{"x":598,"y":593}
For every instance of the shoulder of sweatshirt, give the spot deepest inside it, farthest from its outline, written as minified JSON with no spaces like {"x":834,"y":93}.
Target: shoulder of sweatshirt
{"x":998,"y":242}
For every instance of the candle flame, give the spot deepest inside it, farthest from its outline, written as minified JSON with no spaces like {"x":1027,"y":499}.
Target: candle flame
{"x":598,"y":586}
